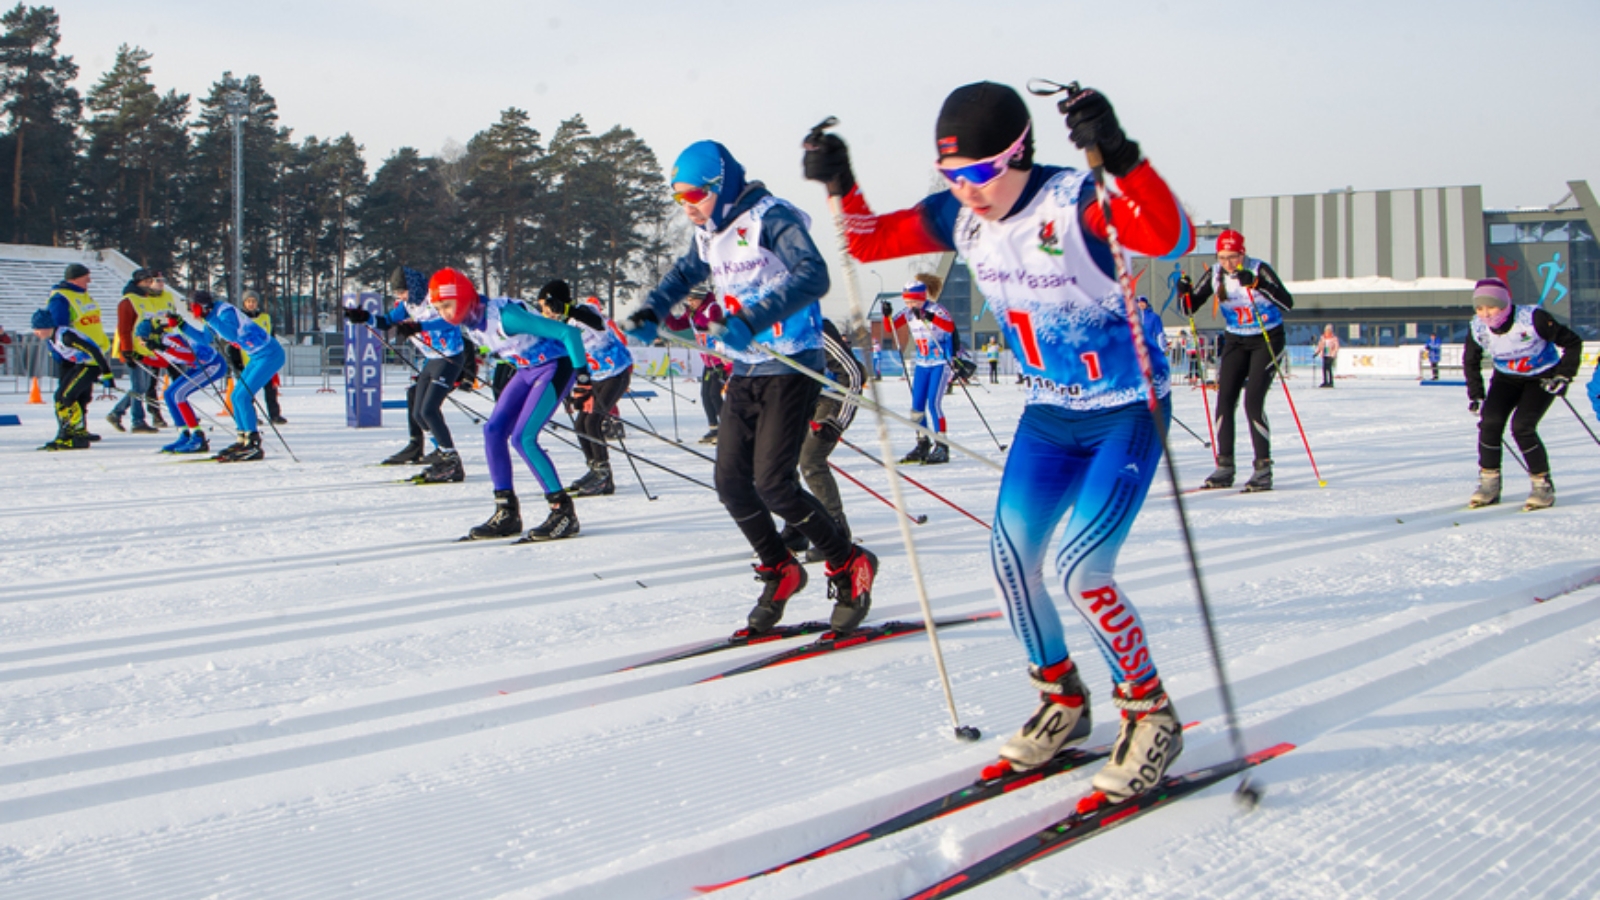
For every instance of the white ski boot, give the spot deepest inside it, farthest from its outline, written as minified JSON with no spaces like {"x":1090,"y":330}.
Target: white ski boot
{"x":1488,"y":492}
{"x":1544,"y":493}
{"x":1150,"y":739}
{"x":1061,"y":720}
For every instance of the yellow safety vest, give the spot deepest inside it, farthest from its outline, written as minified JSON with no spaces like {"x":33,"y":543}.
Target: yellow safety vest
{"x":144,"y":308}
{"x":264,"y":319}
{"x":85,"y":314}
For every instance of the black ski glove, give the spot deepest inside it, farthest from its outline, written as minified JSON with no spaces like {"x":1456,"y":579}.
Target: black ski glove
{"x":1555,"y":384}
{"x":408,"y":328}
{"x":1474,"y":405}
{"x":920,"y":312}
{"x":357,"y":315}
{"x":581,"y":377}
{"x":1185,"y":286}
{"x":827,"y":160}
{"x":1245,"y":277}
{"x":888,"y":313}
{"x":1091,"y":122}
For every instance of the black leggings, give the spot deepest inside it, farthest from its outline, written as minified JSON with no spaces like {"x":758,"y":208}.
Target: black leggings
{"x":425,"y":399}
{"x":1523,"y":401}
{"x":711,"y":382}
{"x":1246,"y":365}
{"x":603,"y":396}
{"x":764,"y":422}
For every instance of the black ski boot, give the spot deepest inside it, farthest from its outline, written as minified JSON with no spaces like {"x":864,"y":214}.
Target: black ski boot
{"x":1261,"y":479}
{"x":596,"y":483}
{"x":432,"y":458}
{"x":919,"y":453}
{"x":782,"y":582}
{"x":850,"y":588}
{"x":561,"y":523}
{"x":1222,"y":477}
{"x":939,"y":454}
{"x":250,"y":452}
{"x":506,"y":521}
{"x":227,"y":453}
{"x":446,"y":471}
{"x":408,"y":454}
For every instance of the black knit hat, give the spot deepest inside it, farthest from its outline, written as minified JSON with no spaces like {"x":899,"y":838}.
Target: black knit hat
{"x":558,"y":295}
{"x":75,"y":271}
{"x":981,"y":120}
{"x":397,"y":280}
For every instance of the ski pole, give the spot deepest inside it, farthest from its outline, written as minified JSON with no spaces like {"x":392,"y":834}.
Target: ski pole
{"x":859,"y":319}
{"x":832,"y":389}
{"x":915,"y":483}
{"x":1287,"y":395}
{"x":1579,"y":417}
{"x":662,"y":438}
{"x":981,"y":418}
{"x":1191,"y":431}
{"x":894,"y":337}
{"x":1205,"y":399}
{"x":640,"y":478}
{"x":631,"y":455}
{"x":1245,"y":793}
{"x":185,"y":376}
{"x":262,"y":415}
{"x":476,"y":417}
{"x":919,"y":519}
{"x":673,"y":391}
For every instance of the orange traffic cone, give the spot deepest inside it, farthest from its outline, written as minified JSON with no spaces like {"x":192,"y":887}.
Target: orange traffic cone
{"x":33,"y":392}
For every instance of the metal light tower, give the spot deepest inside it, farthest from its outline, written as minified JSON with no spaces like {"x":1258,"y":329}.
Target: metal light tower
{"x":236,"y":104}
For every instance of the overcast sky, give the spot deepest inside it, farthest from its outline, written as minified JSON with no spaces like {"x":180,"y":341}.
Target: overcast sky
{"x":1228,"y":99}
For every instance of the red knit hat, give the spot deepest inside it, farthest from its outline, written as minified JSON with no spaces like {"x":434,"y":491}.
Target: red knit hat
{"x":1230,"y":241}
{"x":449,"y":284}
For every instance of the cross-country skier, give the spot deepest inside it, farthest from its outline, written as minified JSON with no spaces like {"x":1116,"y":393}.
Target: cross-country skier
{"x":829,"y":422}
{"x":1251,"y":297}
{"x":82,"y":363}
{"x":1535,"y":358}
{"x":549,"y":358}
{"x":758,"y":254}
{"x":927,"y":328}
{"x":694,"y":324}
{"x":191,"y":363}
{"x":266,"y":358}
{"x":1087,"y":446}
{"x":444,"y":354}
{"x":250,"y":304}
{"x":610,"y":372}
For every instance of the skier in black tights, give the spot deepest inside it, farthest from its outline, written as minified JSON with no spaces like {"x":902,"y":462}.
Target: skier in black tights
{"x":1251,"y":298}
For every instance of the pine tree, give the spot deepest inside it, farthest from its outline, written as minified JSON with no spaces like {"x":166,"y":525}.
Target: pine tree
{"x":44,"y":112}
{"x":407,"y":217}
{"x":503,"y":195}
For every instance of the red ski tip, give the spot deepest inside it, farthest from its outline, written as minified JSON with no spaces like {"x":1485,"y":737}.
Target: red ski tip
{"x":1092,"y":802}
{"x":994,"y":770}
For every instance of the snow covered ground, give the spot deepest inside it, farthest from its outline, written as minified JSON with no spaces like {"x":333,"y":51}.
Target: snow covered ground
{"x":286,"y":680}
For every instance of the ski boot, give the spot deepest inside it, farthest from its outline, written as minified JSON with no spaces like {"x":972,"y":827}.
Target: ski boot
{"x":506,"y":521}
{"x":710,"y":437}
{"x":939,"y":454}
{"x":116,"y":421}
{"x":250,"y":452}
{"x":1150,"y":739}
{"x":1544,"y":494}
{"x":1261,"y":479}
{"x":432,"y":458}
{"x":850,"y":589}
{"x":67,"y":440}
{"x":227,"y":453}
{"x":408,"y":454}
{"x":783,"y":581}
{"x":561,"y":523}
{"x":1061,"y":720}
{"x":177,"y":445}
{"x":1222,"y":477}
{"x":596,"y":483}
{"x":1488,"y":492}
{"x":447,"y":470}
{"x":919,"y":453}
{"x":197,"y":443}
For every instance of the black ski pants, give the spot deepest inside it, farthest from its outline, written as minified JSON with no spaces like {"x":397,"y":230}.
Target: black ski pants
{"x":1522,"y":401}
{"x":711,"y":384}
{"x":425,"y":399}
{"x":1247,"y":366}
{"x":74,"y":390}
{"x":595,"y":410}
{"x":763,"y":424}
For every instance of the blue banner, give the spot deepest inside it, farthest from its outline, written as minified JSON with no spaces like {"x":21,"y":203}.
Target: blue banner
{"x":363,"y":366}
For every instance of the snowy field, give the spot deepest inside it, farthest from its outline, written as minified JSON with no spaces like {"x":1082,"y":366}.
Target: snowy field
{"x":287,"y":680}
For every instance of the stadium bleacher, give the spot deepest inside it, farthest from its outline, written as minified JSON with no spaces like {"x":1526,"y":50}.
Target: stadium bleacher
{"x":27,"y":273}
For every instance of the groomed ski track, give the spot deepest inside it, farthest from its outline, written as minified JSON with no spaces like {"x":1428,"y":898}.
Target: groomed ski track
{"x":281,"y":680}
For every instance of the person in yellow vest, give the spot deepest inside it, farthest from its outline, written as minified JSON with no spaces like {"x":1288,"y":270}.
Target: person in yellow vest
{"x":70,"y":306}
{"x":146,"y":297}
{"x":250,"y":302}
